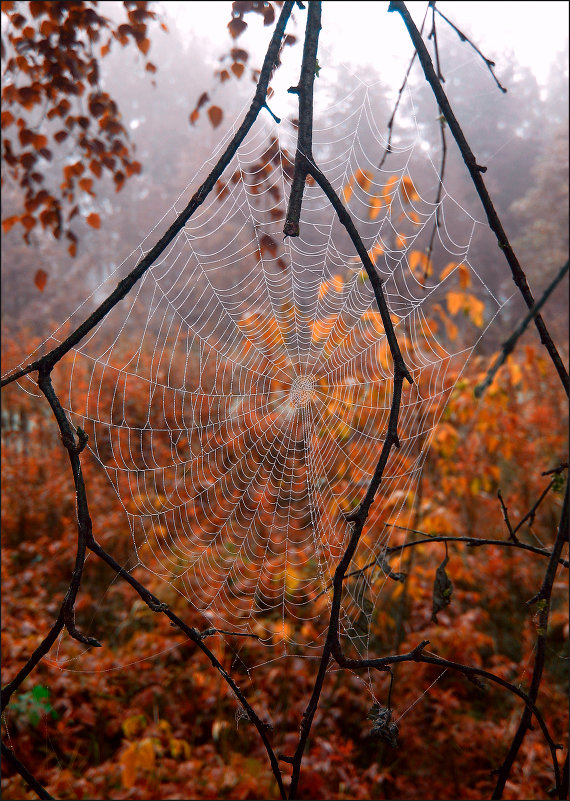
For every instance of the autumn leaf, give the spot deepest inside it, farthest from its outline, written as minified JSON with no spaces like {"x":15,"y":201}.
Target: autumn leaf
{"x":408,"y":190}
{"x":215,"y":115}
{"x":364,"y":179}
{"x":237,"y":69}
{"x":236,"y":27}
{"x":442,"y":589}
{"x":40,"y":279}
{"x":447,"y":270}
{"x":94,"y":220}
{"x":375,"y":206}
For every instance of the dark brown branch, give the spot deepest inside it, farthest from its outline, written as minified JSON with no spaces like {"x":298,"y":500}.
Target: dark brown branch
{"x":304,"y":90}
{"x":124,"y":286}
{"x":441,"y":119}
{"x":510,"y":343}
{"x":13,"y":760}
{"x":472,"y":542}
{"x":490,"y":64}
{"x":543,"y":610}
{"x":84,"y":525}
{"x":418,"y":655}
{"x":531,"y":514}
{"x":475,"y":171}
{"x":506,"y":518}
{"x":197,"y":637}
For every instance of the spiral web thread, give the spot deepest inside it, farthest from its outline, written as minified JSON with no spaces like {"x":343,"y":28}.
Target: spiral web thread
{"x":239,"y":397}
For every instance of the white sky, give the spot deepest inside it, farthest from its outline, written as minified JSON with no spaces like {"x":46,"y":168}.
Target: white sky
{"x":361,"y":31}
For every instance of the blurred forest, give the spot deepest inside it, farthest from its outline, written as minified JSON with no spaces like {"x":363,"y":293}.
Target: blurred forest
{"x":116,"y":724}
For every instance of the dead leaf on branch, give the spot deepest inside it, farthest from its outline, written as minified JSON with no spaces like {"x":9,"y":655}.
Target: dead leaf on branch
{"x":442,"y":588}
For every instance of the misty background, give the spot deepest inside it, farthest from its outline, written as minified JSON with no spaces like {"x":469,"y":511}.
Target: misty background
{"x":521,"y":136}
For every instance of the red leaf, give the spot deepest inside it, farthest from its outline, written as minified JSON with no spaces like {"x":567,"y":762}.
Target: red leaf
{"x":216,"y":115}
{"x":236,"y":27}
{"x":94,"y":220}
{"x":40,"y":279}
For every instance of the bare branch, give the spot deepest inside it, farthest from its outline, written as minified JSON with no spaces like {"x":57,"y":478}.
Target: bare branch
{"x":490,"y":64}
{"x":510,"y":343}
{"x":475,"y":171}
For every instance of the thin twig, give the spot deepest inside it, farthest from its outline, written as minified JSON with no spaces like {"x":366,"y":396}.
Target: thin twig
{"x":543,"y":610}
{"x":475,"y":171}
{"x":398,"y":99}
{"x":441,"y":119}
{"x":506,"y":518}
{"x":490,"y":64}
{"x":510,"y":343}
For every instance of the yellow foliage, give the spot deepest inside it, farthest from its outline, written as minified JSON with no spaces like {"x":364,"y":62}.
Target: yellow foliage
{"x":179,"y":749}
{"x":133,"y":726}
{"x":135,"y":756}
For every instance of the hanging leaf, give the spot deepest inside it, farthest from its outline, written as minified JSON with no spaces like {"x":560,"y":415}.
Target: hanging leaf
{"x":94,"y":220}
{"x":215,"y":115}
{"x":40,"y":279}
{"x":442,"y":588}
{"x":237,"y":69}
{"x":382,"y":725}
{"x":236,"y":27}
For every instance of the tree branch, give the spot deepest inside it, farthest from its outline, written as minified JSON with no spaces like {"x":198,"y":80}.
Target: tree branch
{"x":13,"y":760}
{"x":123,"y":287}
{"x":475,"y":171}
{"x":543,"y":610}
{"x":510,"y":343}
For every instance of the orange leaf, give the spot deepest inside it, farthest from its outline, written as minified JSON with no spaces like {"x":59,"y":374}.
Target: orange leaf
{"x":464,"y":276}
{"x":455,"y":301}
{"x":94,"y":220}
{"x":216,"y":115}
{"x":40,"y":279}
{"x":144,"y":46}
{"x":9,"y":222}
{"x":408,"y":190}
{"x":448,"y":269}
{"x":375,"y":206}
{"x":237,"y":69}
{"x":389,"y":188}
{"x":364,"y":179}
{"x":194,"y":116}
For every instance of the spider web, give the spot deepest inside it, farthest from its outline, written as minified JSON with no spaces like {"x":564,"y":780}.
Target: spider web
{"x":239,"y":397}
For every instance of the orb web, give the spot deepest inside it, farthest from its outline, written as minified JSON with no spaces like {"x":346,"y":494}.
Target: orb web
{"x":239,"y":397}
